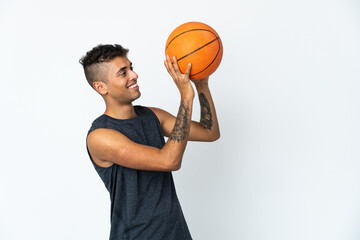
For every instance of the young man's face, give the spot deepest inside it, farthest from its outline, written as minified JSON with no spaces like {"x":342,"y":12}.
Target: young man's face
{"x":122,"y":81}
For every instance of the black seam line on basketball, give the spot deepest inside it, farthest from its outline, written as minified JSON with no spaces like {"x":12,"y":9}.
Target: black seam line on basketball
{"x":210,"y":63}
{"x":197,"y":29}
{"x":197,"y":49}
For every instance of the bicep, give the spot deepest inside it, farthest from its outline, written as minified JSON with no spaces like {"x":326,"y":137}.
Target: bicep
{"x":110,"y":145}
{"x":167,"y":121}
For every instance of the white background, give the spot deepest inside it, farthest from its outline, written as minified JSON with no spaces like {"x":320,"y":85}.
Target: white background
{"x":287,"y":96}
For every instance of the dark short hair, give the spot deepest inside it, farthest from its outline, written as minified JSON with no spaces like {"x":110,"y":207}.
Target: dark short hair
{"x":91,"y":62}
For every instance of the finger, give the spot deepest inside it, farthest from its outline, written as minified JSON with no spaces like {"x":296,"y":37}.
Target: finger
{"x":170,"y":64}
{"x":166,"y":65}
{"x":169,"y":67}
{"x":176,"y":66}
{"x":188,"y":69}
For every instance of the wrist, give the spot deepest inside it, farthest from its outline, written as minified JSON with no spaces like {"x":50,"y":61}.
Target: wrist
{"x":187,"y":94}
{"x":188,"y":100}
{"x":201,"y":86}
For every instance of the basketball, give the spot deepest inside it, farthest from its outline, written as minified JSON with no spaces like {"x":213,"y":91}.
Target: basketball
{"x":198,"y":44}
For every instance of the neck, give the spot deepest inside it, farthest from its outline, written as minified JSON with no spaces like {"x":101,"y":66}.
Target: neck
{"x":124,"y":111}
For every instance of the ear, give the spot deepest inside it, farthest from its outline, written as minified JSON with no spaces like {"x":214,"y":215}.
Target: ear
{"x":100,"y":87}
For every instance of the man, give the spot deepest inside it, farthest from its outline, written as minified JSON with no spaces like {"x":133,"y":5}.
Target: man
{"x":127,"y":147}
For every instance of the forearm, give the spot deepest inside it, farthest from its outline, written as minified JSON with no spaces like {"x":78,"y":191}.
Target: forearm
{"x":208,"y":117}
{"x":179,"y":136}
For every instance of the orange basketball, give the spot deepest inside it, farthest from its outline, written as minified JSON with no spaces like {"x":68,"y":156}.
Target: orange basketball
{"x":198,"y":44}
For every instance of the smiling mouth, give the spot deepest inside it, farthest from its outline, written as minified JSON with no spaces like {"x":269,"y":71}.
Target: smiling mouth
{"x":134,"y":86}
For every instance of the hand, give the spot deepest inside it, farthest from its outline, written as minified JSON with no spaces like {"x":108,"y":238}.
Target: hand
{"x":182,"y":81}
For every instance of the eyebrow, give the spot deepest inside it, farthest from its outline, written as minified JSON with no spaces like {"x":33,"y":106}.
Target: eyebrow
{"x":122,"y":69}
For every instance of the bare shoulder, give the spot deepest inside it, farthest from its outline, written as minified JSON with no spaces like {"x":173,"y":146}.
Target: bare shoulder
{"x":103,"y":140}
{"x":100,"y":135}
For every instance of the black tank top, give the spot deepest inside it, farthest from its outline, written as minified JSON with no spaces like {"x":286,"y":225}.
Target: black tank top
{"x":144,"y":204}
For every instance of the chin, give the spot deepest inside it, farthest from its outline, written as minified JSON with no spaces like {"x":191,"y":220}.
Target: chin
{"x":138,"y":96}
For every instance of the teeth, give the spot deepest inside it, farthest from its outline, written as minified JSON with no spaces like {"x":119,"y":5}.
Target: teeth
{"x":133,"y":86}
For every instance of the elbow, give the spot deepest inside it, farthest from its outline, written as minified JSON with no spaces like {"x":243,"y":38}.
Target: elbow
{"x":172,"y":168}
{"x":173,"y":164}
{"x":176,"y":167}
{"x":215,"y":137}
{"x":170,"y":159}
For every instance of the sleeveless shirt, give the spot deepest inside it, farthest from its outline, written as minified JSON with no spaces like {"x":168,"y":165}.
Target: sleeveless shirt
{"x":144,"y":204}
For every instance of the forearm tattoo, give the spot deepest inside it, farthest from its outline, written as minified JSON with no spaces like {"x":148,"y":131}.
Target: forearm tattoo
{"x":206,"y":116}
{"x":181,"y":127}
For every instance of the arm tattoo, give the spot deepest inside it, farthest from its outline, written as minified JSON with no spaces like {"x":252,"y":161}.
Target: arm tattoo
{"x":206,"y":116}
{"x":181,"y":127}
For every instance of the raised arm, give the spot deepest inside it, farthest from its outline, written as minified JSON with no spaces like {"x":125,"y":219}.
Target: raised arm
{"x":207,"y":129}
{"x":107,"y":146}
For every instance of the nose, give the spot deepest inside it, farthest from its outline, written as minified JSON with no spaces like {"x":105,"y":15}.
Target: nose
{"x":133,"y":75}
